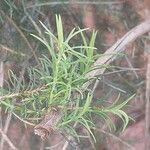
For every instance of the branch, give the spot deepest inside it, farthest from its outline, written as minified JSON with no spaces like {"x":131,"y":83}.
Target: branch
{"x":109,"y":56}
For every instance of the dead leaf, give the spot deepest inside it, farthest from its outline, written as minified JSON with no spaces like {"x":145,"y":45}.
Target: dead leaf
{"x":49,"y":122}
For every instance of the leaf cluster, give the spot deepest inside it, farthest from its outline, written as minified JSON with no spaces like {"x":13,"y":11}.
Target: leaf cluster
{"x":58,"y":83}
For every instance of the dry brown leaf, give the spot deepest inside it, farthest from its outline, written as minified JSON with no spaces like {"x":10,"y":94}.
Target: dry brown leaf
{"x":48,"y":123}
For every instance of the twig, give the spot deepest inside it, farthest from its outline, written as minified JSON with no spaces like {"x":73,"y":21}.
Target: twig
{"x":110,"y":84}
{"x":70,"y":138}
{"x":76,"y":2}
{"x":54,"y":146}
{"x":131,"y":66}
{"x":9,"y":114}
{"x":2,"y":47}
{"x":24,"y":121}
{"x":147,"y":110}
{"x":119,"y":46}
{"x":91,"y":140}
{"x":8,"y":140}
{"x":7,"y":123}
{"x":21,"y":34}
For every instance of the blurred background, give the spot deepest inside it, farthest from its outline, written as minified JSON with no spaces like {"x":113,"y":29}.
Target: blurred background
{"x":112,"y":19}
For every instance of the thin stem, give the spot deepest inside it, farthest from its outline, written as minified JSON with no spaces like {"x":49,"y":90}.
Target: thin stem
{"x":8,"y":140}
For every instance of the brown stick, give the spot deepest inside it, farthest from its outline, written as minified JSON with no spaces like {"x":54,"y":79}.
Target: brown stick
{"x":109,"y":56}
